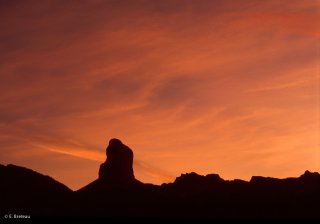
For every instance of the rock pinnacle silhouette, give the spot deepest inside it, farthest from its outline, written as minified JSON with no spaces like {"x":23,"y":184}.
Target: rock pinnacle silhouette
{"x":117,"y":169}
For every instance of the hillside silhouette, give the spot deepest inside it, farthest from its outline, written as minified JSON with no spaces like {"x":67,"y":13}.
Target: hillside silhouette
{"x":117,"y":193}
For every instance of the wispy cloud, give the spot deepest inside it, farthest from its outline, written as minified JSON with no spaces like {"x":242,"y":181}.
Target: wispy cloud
{"x":189,"y":85}
{"x":144,"y":169}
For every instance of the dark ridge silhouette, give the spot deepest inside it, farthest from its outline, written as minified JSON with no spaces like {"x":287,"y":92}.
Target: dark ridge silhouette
{"x":28,"y":192}
{"x":117,"y":194}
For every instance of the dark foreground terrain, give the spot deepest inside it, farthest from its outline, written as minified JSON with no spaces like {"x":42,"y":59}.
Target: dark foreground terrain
{"x":116,"y":193}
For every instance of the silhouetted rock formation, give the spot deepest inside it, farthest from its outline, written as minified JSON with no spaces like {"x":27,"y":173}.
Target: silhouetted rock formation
{"x":117,"y":169}
{"x":115,"y":174}
{"x":116,"y":193}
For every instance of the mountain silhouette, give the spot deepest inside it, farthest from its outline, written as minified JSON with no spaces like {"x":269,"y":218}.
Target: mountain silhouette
{"x":117,"y":194}
{"x":27,"y":192}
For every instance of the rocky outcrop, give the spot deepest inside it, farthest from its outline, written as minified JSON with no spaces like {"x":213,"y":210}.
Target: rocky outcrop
{"x":117,"y":169}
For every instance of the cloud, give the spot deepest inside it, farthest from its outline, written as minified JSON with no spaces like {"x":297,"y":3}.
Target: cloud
{"x":190,"y":85}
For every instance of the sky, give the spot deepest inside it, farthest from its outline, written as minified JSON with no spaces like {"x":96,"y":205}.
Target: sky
{"x":211,"y":86}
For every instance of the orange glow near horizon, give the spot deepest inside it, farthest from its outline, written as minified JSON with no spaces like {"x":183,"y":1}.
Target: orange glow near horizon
{"x":227,"y":87}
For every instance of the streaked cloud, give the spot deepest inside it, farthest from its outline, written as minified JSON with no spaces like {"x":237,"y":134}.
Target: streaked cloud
{"x":227,"y":87}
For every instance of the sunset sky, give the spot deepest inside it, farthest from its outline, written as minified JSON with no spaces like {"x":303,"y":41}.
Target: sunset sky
{"x":218,"y":86}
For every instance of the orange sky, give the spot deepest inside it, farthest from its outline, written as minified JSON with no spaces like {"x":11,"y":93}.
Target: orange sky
{"x":228,"y":87}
